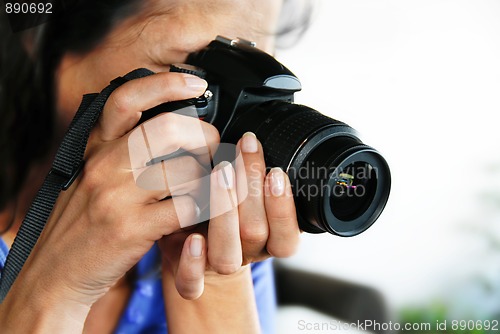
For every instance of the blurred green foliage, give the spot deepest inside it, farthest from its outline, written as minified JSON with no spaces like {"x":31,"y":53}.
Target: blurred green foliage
{"x":438,"y":312}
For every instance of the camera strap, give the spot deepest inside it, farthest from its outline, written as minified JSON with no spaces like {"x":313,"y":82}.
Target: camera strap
{"x":66,"y":167}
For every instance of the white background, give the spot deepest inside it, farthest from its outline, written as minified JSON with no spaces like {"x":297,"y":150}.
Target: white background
{"x":420,"y":79}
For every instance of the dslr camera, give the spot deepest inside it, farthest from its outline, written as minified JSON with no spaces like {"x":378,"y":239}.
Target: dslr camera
{"x":340,"y":185}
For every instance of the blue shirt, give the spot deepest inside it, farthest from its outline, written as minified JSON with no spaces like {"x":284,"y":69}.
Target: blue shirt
{"x":145,"y":311}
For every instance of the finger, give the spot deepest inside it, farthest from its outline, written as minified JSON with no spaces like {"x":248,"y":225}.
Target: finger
{"x":280,"y":208}
{"x":124,"y":106}
{"x":224,"y":248}
{"x":179,"y":176}
{"x":190,"y":275}
{"x":168,"y":216}
{"x":167,"y":133}
{"x":254,"y":228}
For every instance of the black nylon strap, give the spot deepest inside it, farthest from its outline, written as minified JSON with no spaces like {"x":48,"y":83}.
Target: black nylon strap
{"x":65,"y":168}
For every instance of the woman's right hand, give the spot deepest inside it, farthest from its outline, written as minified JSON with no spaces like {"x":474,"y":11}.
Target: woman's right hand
{"x":105,"y":222}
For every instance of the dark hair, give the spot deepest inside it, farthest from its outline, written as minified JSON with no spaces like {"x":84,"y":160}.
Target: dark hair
{"x":26,"y":78}
{"x":24,"y":124}
{"x":26,"y":82}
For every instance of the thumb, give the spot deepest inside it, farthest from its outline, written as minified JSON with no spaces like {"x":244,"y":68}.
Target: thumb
{"x":190,"y":275}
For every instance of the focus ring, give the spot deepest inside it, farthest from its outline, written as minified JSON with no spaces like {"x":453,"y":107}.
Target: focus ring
{"x":287,"y":129}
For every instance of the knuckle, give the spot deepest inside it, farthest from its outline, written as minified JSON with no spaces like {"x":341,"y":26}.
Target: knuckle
{"x":123,"y":232}
{"x":95,"y":172}
{"x":188,"y":292}
{"x":115,"y":223}
{"x":211,"y":133}
{"x":169,"y":124}
{"x":120,"y":100}
{"x":103,"y":199}
{"x":226,"y":267}
{"x":256,"y":231}
{"x":91,"y":174}
{"x":214,"y":132}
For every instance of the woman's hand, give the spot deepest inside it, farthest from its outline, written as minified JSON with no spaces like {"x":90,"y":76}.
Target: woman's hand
{"x":105,"y":223}
{"x":263,"y":225}
{"x":109,"y":219}
{"x":209,"y":262}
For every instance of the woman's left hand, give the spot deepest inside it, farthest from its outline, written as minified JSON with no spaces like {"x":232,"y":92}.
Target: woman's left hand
{"x":264,"y":224}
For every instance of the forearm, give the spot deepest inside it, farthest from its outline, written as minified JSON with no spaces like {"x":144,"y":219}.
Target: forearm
{"x":29,"y":308}
{"x":226,"y":306}
{"x":29,"y":319}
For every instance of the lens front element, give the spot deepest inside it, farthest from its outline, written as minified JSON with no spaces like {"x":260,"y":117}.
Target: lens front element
{"x":353,"y":189}
{"x":359,"y":188}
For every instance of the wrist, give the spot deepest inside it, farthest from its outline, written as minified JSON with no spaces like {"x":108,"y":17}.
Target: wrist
{"x":226,"y":305}
{"x":39,"y":310}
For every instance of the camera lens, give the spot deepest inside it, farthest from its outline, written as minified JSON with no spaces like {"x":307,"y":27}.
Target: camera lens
{"x":340,"y":185}
{"x":353,"y":189}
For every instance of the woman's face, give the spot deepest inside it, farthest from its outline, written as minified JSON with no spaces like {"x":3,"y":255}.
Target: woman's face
{"x":165,"y":32}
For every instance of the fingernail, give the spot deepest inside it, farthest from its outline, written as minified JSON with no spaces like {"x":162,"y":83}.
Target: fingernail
{"x":225,"y":175}
{"x":277,"y":181}
{"x":249,"y":143}
{"x":195,"y":83}
{"x":196,"y":245}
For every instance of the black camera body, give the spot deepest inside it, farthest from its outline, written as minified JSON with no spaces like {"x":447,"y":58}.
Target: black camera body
{"x":340,"y":185}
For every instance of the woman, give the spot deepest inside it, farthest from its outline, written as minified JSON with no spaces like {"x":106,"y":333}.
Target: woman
{"x":79,"y":277}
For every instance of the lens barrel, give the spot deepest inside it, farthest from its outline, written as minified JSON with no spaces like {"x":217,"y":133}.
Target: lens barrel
{"x":340,"y":185}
